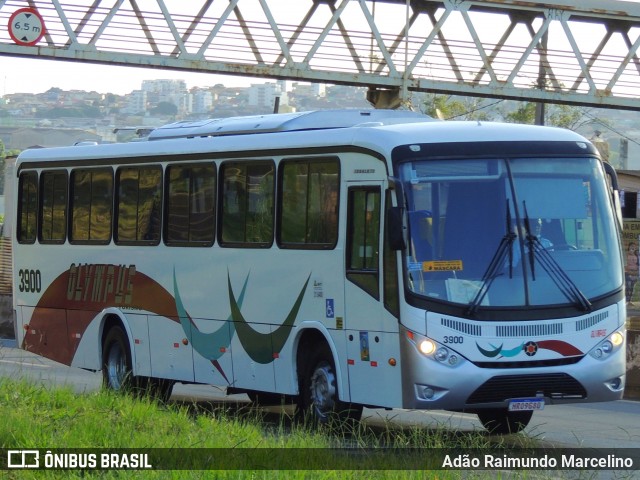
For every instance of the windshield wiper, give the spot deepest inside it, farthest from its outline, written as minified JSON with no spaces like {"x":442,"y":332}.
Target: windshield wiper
{"x":564,"y":283}
{"x":496,"y":263}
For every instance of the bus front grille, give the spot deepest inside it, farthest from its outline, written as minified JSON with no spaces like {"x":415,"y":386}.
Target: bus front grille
{"x":529,"y":363}
{"x":504,"y":387}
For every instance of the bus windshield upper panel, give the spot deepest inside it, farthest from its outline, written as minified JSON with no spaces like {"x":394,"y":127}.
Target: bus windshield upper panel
{"x":510,"y":233}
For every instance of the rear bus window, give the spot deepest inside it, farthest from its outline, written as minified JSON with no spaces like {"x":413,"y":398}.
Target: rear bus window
{"x":27,"y":207}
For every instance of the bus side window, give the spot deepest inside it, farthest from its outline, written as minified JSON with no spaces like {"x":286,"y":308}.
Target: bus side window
{"x":91,"y":205}
{"x":363,"y":238}
{"x":308,"y":200}
{"x":138,"y":205}
{"x":53,"y":206}
{"x":27,"y":207}
{"x":190,"y":205}
{"x":247,"y":193}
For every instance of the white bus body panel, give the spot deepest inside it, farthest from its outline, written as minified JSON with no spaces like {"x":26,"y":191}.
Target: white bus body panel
{"x":141,"y":359}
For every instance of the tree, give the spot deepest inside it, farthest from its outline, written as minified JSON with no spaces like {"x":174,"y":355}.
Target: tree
{"x":110,"y":99}
{"x":164,"y":108}
{"x":449,"y":107}
{"x":564,"y":116}
{"x":570,"y":117}
{"x":83,"y":111}
{"x":525,"y":113}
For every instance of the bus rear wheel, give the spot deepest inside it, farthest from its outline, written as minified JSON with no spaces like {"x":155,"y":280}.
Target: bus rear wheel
{"x":319,"y":400}
{"x":117,"y":372}
{"x":157,"y":388}
{"x":500,"y":421}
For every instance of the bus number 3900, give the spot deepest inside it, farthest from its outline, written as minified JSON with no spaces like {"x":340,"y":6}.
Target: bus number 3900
{"x":453,"y":339}
{"x":30,"y":280}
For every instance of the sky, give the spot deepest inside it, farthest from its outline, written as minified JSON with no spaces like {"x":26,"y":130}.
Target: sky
{"x":26,"y":75}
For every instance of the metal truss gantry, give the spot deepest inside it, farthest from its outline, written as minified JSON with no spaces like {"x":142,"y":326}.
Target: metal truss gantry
{"x":583,"y":53}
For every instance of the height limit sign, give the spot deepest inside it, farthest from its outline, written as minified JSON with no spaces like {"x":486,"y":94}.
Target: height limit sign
{"x":26,"y":27}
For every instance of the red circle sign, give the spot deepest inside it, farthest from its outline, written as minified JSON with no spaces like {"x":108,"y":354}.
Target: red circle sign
{"x":26,"y":27}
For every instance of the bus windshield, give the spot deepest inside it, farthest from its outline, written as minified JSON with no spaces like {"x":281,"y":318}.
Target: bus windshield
{"x":516,"y":232}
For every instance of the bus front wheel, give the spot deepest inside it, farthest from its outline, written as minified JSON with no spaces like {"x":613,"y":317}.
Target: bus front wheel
{"x":500,"y":421}
{"x":117,"y":372}
{"x":319,"y":392}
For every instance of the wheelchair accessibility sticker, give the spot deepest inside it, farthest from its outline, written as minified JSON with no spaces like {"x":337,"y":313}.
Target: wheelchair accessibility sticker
{"x":330,"y":312}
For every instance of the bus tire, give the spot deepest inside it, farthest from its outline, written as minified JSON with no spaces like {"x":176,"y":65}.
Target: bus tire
{"x":117,"y":372}
{"x":159,"y":388}
{"x":500,"y":421}
{"x":319,"y":401}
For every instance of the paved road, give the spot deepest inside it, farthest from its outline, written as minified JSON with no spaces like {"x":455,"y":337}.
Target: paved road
{"x":604,"y":425}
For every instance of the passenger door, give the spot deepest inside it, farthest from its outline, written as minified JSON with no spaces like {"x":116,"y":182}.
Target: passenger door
{"x":372,"y":331}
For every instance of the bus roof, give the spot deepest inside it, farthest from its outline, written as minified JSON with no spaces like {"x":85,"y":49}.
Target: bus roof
{"x":285,"y":122}
{"x":375,"y":130}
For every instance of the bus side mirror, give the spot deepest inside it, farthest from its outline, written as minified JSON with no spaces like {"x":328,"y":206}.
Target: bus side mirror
{"x":396,"y":228}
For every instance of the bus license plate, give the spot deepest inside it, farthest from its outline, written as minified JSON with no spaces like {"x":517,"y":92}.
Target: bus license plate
{"x":526,"y":404}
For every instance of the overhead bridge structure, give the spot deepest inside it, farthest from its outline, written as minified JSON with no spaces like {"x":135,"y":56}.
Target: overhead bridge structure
{"x":577,"y":52}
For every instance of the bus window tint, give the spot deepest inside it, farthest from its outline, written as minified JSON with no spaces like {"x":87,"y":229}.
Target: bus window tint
{"x":27,"y":204}
{"x":364,"y":239}
{"x":139,"y":205}
{"x":91,"y":200}
{"x":309,"y":199}
{"x":247,"y":204}
{"x":190,"y":205}
{"x":53,"y":211}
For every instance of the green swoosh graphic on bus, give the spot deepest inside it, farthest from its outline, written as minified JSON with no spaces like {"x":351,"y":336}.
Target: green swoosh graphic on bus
{"x":490,"y":353}
{"x":261,"y":346}
{"x":209,"y":345}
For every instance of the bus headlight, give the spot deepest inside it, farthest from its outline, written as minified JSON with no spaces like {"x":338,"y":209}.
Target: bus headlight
{"x":617,"y":339}
{"x":431,"y":349}
{"x":609,"y":345}
{"x":442,"y":354}
{"x":427,"y":346}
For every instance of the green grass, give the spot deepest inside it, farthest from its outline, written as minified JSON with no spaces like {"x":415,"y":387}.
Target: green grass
{"x":36,"y":417}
